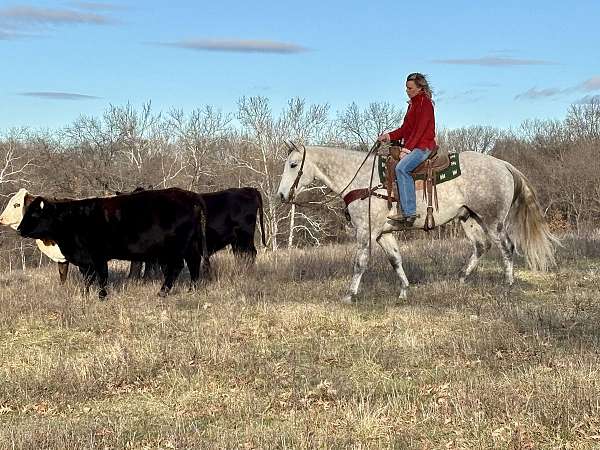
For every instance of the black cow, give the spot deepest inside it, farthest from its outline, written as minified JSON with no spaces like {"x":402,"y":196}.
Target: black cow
{"x":231,"y":220}
{"x":164,"y":225}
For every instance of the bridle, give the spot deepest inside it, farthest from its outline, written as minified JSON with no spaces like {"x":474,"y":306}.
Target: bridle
{"x":300,"y":172}
{"x":293,"y":147}
{"x":373,"y":149}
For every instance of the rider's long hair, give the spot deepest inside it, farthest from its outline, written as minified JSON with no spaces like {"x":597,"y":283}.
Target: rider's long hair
{"x":421,"y":81}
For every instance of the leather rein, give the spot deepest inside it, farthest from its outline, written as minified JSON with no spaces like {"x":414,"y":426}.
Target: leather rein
{"x":370,"y":190}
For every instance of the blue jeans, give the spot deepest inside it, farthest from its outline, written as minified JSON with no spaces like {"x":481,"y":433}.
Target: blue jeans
{"x":406,"y":184}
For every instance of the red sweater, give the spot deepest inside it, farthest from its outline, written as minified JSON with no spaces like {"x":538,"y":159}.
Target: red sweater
{"x":418,"y":128}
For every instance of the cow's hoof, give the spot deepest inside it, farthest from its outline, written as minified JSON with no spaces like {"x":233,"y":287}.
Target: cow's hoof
{"x":102,"y":294}
{"x":348,"y":299}
{"x":162,"y":293}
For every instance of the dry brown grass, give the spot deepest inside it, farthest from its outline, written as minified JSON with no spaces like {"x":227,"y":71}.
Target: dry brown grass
{"x":271,"y":359}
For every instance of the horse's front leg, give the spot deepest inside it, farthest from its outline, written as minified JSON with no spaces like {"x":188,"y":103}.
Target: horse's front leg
{"x":361,"y":260}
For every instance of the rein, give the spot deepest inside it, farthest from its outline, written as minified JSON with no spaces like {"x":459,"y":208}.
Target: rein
{"x":300,"y":172}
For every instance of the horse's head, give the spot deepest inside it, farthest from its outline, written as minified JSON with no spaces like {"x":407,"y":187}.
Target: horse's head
{"x":297,"y":174}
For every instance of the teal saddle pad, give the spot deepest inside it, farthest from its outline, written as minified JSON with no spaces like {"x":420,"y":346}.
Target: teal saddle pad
{"x":450,"y":173}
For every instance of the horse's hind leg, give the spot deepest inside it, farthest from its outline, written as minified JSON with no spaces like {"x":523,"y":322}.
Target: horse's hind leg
{"x":479,"y":238}
{"x":361,"y":260}
{"x":507,"y":249}
{"x":390,"y":245}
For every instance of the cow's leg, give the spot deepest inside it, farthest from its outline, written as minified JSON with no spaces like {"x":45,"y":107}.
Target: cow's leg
{"x":193,"y":260}
{"x":173,"y":269}
{"x":361,"y":260}
{"x":135,"y":270}
{"x":89,"y":275}
{"x":390,"y":245}
{"x":243,"y":248}
{"x":101,"y":267}
{"x":63,"y":269}
{"x":152,"y":269}
{"x":246,"y":256}
{"x":479,"y":239}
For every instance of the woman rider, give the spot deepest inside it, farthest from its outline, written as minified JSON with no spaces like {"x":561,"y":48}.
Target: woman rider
{"x":418,"y":136}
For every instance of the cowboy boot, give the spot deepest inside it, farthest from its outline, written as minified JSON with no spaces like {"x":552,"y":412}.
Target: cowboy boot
{"x":398,"y":216}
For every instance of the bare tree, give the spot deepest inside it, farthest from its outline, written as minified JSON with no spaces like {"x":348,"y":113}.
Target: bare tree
{"x":480,"y":139}
{"x":261,"y":152}
{"x":583,"y":120}
{"x":199,"y":137}
{"x":361,"y":127}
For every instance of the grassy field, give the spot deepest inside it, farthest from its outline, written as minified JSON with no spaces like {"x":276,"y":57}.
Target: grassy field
{"x":271,"y":359}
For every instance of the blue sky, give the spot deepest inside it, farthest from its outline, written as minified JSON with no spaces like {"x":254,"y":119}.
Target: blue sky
{"x":490,"y":63}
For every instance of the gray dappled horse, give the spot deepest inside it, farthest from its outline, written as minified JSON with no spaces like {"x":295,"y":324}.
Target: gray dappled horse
{"x":493,"y":201}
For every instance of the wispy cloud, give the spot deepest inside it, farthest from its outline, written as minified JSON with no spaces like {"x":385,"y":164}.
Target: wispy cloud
{"x":30,"y":15}
{"x":6,"y":35}
{"x":593,"y":84}
{"x":534,"y":93}
{"x":58,"y":95}
{"x":589,"y":85}
{"x":235,"y":45}
{"x":494,"y":61}
{"x":468,"y":96}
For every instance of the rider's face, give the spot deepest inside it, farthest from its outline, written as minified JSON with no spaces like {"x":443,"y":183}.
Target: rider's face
{"x":412,"y":89}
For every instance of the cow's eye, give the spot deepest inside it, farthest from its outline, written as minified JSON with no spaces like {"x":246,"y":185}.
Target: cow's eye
{"x":17,"y":205}
{"x":293,"y":165}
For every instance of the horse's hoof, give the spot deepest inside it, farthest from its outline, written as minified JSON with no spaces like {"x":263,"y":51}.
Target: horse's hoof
{"x":348,"y":300}
{"x":462,"y":280}
{"x":403,"y":294}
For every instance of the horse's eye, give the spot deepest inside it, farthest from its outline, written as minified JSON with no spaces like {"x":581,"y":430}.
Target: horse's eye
{"x":17,"y":205}
{"x":293,"y":165}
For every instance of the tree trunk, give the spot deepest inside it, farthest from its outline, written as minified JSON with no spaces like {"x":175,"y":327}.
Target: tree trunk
{"x":292,"y":223}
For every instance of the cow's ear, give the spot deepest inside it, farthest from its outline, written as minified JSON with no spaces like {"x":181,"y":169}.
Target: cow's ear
{"x":27,"y":201}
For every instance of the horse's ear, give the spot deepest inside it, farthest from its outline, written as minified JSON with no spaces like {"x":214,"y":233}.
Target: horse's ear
{"x":289,"y":147}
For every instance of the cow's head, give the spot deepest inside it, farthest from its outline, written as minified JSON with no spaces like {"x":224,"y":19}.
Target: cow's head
{"x":39,"y":220}
{"x":15,"y":208}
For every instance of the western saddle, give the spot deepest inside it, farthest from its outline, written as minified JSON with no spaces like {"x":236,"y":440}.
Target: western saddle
{"x":437,"y":161}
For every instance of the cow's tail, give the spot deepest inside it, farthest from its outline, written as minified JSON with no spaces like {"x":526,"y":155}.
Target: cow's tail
{"x":528,"y":227}
{"x":260,"y":210}
{"x":205,"y":265}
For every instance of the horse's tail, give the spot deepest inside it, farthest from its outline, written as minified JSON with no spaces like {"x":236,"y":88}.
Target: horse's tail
{"x":528,"y":227}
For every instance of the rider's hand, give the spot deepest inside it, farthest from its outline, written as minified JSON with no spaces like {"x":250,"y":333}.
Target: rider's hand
{"x":385,"y":137}
{"x":404,"y":152}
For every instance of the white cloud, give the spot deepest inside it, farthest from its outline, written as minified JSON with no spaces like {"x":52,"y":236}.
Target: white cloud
{"x":236,"y":45}
{"x":45,"y":16}
{"x":58,"y":95}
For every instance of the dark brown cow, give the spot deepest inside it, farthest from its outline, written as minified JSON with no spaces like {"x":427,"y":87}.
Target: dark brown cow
{"x":163,"y":225}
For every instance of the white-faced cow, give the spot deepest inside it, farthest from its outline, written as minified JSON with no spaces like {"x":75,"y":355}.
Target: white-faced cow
{"x":165,"y":225}
{"x":12,"y":216}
